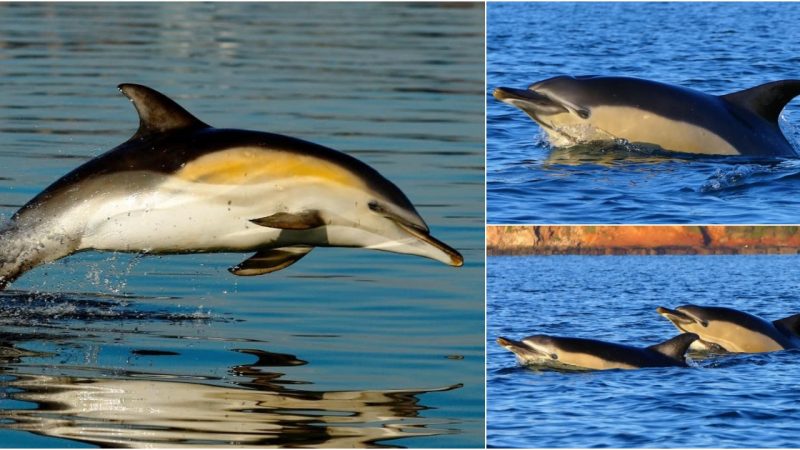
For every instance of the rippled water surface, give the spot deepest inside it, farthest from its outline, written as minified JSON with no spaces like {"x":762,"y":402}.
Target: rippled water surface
{"x":713,"y":47}
{"x":349,"y":347}
{"x":726,"y":401}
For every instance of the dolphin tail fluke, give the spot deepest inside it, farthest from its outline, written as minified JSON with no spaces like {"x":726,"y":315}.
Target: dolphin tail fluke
{"x":766,"y":100}
{"x":790,"y":324}
{"x":676,"y":347}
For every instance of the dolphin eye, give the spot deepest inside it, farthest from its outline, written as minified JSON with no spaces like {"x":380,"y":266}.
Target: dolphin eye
{"x":375,"y":206}
{"x":553,"y":356}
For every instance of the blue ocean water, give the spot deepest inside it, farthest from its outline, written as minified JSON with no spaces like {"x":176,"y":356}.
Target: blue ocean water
{"x":713,"y":47}
{"x":745,"y":400}
{"x":348,"y":347}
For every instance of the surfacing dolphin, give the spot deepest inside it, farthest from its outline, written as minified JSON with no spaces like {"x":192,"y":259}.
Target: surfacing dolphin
{"x":181,"y":186}
{"x":734,"y":331}
{"x":584,"y":109}
{"x":577,"y":353}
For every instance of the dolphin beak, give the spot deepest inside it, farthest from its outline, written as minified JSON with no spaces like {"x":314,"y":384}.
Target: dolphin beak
{"x":524,"y":353}
{"x":676,"y":317}
{"x":503,"y":342}
{"x":505,"y":93}
{"x":664,"y":311}
{"x":669,"y":313}
{"x":426,"y":245}
{"x":449,"y":255}
{"x":532,"y":102}
{"x":515,"y":346}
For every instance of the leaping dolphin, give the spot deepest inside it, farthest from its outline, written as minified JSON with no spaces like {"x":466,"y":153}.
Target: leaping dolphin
{"x":577,"y":353}
{"x":583,"y":109}
{"x":735,"y":331}
{"x":181,"y":186}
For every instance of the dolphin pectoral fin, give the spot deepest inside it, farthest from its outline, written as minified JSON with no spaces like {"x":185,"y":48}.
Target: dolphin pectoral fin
{"x":303,"y":220}
{"x":766,"y":100}
{"x":790,"y":324}
{"x":268,"y":261}
{"x":157,"y":112}
{"x":676,"y":347}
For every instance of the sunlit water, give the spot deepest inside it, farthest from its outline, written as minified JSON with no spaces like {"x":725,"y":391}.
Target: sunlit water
{"x":713,"y":47}
{"x":346,"y":348}
{"x":725,"y":401}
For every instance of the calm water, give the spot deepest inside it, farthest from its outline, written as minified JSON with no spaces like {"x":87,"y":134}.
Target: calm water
{"x":732,"y":401}
{"x":348,"y":347}
{"x":713,"y":47}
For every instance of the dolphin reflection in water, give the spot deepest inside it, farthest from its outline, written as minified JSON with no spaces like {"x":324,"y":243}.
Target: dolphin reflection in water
{"x":174,"y":413}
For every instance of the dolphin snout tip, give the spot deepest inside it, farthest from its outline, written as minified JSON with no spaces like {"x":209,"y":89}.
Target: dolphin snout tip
{"x":499,"y":93}
{"x":456,"y":260}
{"x":666,"y":312}
{"x":503,"y":341}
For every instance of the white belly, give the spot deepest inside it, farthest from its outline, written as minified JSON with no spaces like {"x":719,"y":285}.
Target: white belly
{"x":193,"y":217}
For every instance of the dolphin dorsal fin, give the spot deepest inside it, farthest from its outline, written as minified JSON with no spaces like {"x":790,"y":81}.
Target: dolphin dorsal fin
{"x":766,"y":100}
{"x":157,"y":112}
{"x":676,"y":347}
{"x":790,"y":324}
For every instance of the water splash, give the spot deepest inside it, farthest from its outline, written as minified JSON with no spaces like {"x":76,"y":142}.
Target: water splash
{"x":111,"y":274}
{"x":20,"y":308}
{"x":727,"y":178}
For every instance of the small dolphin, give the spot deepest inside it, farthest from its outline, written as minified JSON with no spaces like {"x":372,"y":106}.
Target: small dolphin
{"x":181,"y":186}
{"x":735,"y":331}
{"x":567,"y":352}
{"x":582,"y":109}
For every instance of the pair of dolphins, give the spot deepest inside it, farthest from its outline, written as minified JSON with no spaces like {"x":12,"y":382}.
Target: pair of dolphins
{"x":181,"y":186}
{"x":704,"y":328}
{"x":649,"y":114}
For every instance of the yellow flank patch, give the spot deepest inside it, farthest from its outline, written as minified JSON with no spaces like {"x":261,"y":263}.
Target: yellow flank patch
{"x":255,"y":165}
{"x":638,"y":127}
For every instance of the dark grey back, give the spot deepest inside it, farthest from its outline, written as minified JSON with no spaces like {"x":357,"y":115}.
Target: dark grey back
{"x":167,"y":152}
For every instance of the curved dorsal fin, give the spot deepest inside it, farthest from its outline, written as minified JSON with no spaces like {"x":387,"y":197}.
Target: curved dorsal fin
{"x":766,"y":100}
{"x":157,"y":112}
{"x":790,"y":324}
{"x":676,"y":347}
